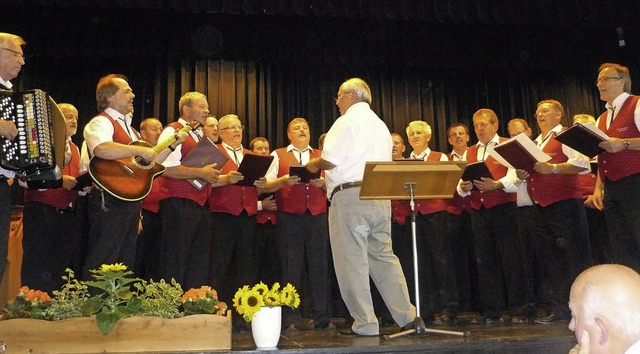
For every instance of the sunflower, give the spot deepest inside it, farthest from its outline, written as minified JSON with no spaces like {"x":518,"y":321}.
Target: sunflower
{"x":289,"y":296}
{"x":272,"y":298}
{"x":252,"y":302}
{"x":237,"y":299}
{"x":116,"y":267}
{"x":261,"y":288}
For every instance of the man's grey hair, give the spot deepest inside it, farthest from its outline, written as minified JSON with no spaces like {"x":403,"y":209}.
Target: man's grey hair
{"x":359,"y":88}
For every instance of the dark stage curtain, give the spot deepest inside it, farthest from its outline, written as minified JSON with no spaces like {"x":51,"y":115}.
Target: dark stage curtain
{"x":266,"y":96}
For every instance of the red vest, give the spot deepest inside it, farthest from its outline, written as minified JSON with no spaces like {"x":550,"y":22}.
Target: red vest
{"x":300,"y":197}
{"x":626,"y":162}
{"x":586,"y":184}
{"x":58,"y":197}
{"x":400,"y":210}
{"x":493,"y":198}
{"x":265,"y":216}
{"x":548,"y":189}
{"x":152,"y":201}
{"x":119,"y":134}
{"x":232,"y":199}
{"x":430,"y":206}
{"x":182,"y":188}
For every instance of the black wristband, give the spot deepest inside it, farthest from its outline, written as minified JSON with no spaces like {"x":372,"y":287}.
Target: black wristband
{"x":172,"y":148}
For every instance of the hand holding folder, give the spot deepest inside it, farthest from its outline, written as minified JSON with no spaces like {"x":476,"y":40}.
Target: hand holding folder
{"x":584,"y":138}
{"x":203,"y":154}
{"x":253,"y":167}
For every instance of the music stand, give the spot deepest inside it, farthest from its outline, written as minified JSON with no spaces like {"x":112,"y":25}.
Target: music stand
{"x":408,"y":180}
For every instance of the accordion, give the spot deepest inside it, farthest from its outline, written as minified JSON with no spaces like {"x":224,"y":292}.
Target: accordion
{"x":33,"y":153}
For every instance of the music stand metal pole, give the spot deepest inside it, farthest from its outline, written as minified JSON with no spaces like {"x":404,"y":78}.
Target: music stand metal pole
{"x":418,"y":323}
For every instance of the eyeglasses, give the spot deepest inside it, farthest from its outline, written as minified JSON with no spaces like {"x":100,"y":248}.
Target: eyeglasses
{"x":15,"y":53}
{"x":340,"y":95}
{"x":235,"y":127}
{"x":607,"y":78}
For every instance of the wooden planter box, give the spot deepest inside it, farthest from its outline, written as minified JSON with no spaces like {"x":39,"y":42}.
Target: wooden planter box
{"x":133,"y":334}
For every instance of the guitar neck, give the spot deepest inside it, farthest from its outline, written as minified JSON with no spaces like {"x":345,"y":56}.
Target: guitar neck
{"x":170,"y":140}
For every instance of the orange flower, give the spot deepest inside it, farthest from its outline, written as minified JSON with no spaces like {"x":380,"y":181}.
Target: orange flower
{"x":34,"y":295}
{"x":201,"y":293}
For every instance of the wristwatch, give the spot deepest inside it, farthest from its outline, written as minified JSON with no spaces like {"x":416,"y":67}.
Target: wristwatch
{"x":555,"y":170}
{"x":627,"y":144}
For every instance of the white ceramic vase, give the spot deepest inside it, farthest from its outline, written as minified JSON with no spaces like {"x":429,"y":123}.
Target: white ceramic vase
{"x":265,"y":327}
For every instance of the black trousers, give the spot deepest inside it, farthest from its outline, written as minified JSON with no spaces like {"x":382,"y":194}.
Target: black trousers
{"x":50,"y":241}
{"x":499,"y":258}
{"x":434,"y":236}
{"x":528,"y":226}
{"x":304,"y":240}
{"x":268,"y":254}
{"x":147,"y":264}
{"x":185,"y":246}
{"x":5,"y":223}
{"x":113,"y":229}
{"x":233,"y":254}
{"x":622,"y":214}
{"x":563,"y":243}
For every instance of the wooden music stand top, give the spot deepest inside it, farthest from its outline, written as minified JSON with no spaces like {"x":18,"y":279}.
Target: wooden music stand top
{"x":430,"y":180}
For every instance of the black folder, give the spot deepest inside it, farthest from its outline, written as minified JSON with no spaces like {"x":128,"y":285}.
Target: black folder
{"x":253,"y":167}
{"x":582,"y":139}
{"x":203,"y":154}
{"x":475,"y":171}
{"x":516,"y":155}
{"x":302,"y":172}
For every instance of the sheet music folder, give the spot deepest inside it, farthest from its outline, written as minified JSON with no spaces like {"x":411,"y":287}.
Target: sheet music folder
{"x":253,"y":167}
{"x":431,"y":180}
{"x":475,"y":171}
{"x":204,"y":153}
{"x":301,"y":171}
{"x":583,"y":138}
{"x":518,"y":152}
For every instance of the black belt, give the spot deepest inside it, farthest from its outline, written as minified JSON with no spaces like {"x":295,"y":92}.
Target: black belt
{"x":345,"y":186}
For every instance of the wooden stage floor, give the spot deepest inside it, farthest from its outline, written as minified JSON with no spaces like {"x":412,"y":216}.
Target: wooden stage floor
{"x":494,"y":338}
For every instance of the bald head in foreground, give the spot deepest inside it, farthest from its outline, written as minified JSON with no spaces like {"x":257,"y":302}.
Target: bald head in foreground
{"x":605,"y":307}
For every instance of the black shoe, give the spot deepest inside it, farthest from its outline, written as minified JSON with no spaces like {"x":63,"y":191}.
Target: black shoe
{"x":407,"y":327}
{"x":350,"y":332}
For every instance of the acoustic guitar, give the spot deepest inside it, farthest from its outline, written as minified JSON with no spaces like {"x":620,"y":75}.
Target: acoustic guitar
{"x":130,"y":178}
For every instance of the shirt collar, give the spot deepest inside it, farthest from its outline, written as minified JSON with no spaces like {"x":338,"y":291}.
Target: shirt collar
{"x":422,"y":156}
{"x":557,"y":129}
{"x":117,"y":115}
{"x":291,"y":147}
{"x":618,"y":101}
{"x":494,"y":141}
{"x":228,"y":147}
{"x":6,"y":83}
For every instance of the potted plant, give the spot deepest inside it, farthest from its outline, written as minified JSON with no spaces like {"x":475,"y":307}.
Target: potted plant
{"x":116,"y":312}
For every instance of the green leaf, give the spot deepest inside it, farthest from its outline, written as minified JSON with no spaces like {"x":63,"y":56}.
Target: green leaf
{"x":92,"y":305}
{"x":106,"y":321}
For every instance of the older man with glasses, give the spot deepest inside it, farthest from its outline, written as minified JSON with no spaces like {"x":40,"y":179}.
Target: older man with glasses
{"x":11,"y":61}
{"x":618,"y":185}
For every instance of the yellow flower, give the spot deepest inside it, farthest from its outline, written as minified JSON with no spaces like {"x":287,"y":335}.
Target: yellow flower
{"x":249,"y":301}
{"x":117,"y":267}
{"x":261,"y":288}
{"x":237,"y":299}
{"x":289,"y":296}
{"x":272,"y":298}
